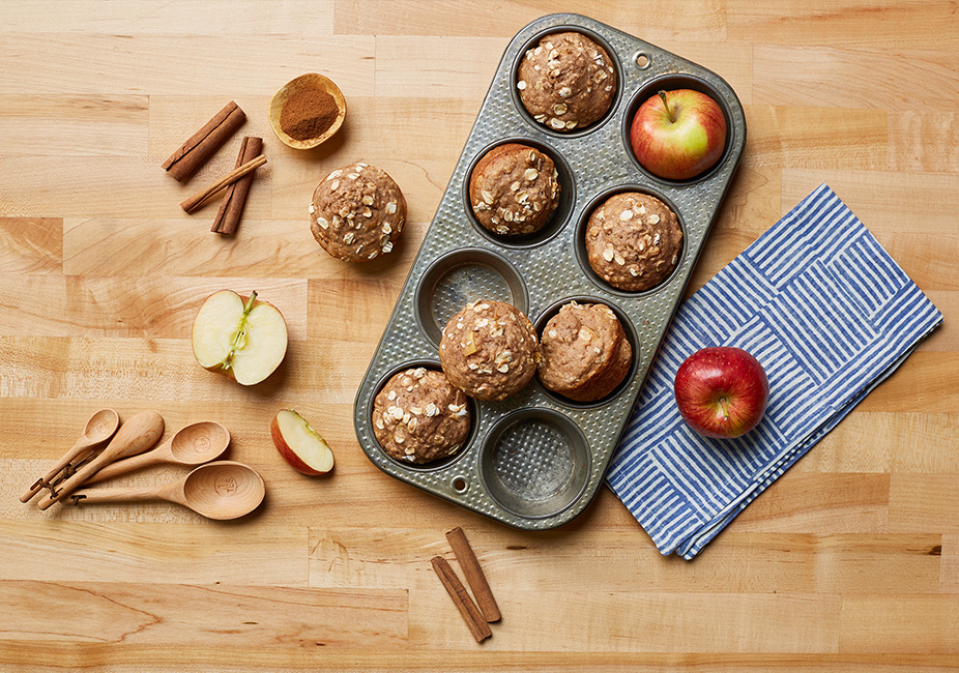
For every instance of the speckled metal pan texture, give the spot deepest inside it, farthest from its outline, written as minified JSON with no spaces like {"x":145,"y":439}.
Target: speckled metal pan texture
{"x":536,"y":460}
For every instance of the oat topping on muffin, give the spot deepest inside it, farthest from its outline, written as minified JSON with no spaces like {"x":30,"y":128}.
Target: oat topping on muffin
{"x":489,"y":350}
{"x":419,"y":417}
{"x":358,"y":212}
{"x":633,"y":241}
{"x":513,"y":189}
{"x":567,"y":81}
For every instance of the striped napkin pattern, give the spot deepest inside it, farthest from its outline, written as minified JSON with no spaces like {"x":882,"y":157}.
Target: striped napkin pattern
{"x":826,"y":311}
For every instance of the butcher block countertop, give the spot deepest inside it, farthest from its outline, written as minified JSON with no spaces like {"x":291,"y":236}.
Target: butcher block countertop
{"x":849,"y":562}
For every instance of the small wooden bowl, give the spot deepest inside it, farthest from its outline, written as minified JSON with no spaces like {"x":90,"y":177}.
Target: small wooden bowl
{"x":307,"y":81}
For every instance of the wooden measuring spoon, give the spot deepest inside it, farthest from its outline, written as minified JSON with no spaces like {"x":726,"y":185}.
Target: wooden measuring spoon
{"x":222,"y":490}
{"x":135,"y":436}
{"x":194,"y":444}
{"x":101,"y":427}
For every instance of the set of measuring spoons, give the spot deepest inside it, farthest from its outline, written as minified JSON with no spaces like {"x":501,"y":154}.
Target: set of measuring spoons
{"x":216,"y":489}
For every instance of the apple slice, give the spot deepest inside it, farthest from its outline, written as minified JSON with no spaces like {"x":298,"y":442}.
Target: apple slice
{"x":299,"y":444}
{"x":242,"y":338}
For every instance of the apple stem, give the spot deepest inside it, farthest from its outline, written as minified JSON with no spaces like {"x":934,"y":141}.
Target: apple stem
{"x":249,"y":303}
{"x":662,"y":94}
{"x":724,"y":403}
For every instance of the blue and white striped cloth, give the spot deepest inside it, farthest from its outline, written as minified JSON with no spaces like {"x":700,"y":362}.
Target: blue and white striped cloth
{"x":829,"y":315}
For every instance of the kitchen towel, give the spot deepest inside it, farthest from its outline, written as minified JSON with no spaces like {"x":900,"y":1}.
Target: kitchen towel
{"x":828,"y":314}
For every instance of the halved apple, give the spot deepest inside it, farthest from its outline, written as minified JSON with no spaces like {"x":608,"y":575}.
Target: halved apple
{"x":299,"y":444}
{"x":242,"y":338}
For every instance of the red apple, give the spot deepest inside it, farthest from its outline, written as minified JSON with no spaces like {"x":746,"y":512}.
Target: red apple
{"x":721,"y":392}
{"x":299,"y":444}
{"x":678,"y":134}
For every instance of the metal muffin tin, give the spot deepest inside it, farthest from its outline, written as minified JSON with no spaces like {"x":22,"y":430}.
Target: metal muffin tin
{"x":536,"y":460}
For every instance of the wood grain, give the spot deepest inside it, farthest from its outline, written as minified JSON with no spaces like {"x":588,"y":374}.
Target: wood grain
{"x":115,"y":612}
{"x":848,"y":563}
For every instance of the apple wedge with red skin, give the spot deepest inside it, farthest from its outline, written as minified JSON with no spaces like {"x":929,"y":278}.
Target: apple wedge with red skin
{"x":300,"y":445}
{"x":721,"y":392}
{"x":242,"y":338}
{"x":678,"y":134}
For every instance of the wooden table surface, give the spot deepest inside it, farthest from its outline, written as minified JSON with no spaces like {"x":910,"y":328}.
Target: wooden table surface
{"x":849,"y":562}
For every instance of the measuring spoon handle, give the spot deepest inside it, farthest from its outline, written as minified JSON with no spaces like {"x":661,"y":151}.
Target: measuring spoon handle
{"x":81,"y":447}
{"x":121,"y":494}
{"x":128,"y":465}
{"x":135,"y":436}
{"x":98,"y":431}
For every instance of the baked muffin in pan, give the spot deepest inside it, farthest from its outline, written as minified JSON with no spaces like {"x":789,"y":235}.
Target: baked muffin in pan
{"x":420,"y":417}
{"x":585,"y":353}
{"x":489,"y":350}
{"x":633,"y":241}
{"x":567,"y":81}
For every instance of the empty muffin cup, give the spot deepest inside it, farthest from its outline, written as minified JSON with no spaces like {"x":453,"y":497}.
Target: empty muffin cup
{"x":535,"y":462}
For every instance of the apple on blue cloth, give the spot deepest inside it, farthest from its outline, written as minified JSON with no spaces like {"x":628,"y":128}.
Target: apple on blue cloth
{"x":721,"y":392}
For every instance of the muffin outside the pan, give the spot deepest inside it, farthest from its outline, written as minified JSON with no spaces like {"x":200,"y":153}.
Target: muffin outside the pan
{"x":419,"y":417}
{"x":633,"y":241}
{"x":358,"y":212}
{"x":585,"y":352}
{"x":489,"y":350}
{"x":514,"y":189}
{"x":567,"y":81}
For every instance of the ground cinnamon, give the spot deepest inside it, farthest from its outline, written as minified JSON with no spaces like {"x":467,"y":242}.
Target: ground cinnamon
{"x":308,"y":114}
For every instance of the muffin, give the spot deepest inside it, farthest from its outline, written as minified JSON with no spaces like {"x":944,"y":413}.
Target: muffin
{"x":489,"y":350}
{"x":567,"y":81}
{"x":585,"y":352}
{"x":358,"y":213}
{"x":633,"y":241}
{"x":514,"y":189}
{"x":418,"y":417}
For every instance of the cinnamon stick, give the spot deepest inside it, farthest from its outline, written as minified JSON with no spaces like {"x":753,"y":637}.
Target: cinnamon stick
{"x":198,"y":147}
{"x":194,"y":201}
{"x":470,"y":613}
{"x":231,"y":210}
{"x":474,"y":574}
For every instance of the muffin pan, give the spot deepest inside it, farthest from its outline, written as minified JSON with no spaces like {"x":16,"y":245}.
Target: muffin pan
{"x":536,"y":460}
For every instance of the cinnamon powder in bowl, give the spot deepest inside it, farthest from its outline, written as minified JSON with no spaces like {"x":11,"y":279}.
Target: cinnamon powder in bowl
{"x":307,"y":111}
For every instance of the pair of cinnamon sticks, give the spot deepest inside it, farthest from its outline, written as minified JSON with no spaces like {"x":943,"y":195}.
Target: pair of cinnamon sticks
{"x":199,"y":147}
{"x":478,"y":618}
